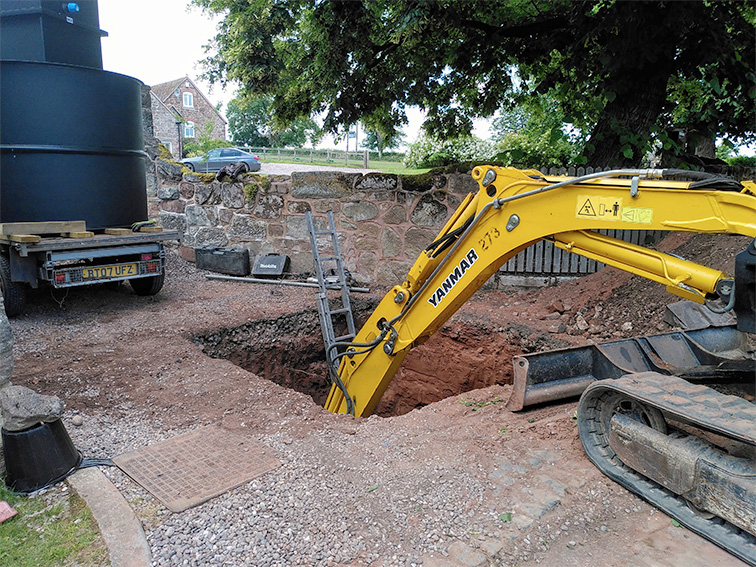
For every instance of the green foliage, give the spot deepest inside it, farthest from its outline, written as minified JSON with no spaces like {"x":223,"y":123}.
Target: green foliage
{"x":530,"y":149}
{"x":386,"y":156}
{"x":204,"y":142}
{"x":616,"y":66}
{"x":533,"y":135}
{"x":49,"y":533}
{"x":379,"y":141}
{"x":251,"y":123}
{"x":429,"y":151}
{"x":742,"y":161}
{"x":250,"y":192}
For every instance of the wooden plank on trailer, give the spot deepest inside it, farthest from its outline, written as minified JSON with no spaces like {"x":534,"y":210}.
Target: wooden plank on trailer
{"x":27,"y":238}
{"x":48,"y":227}
{"x":151,"y":229}
{"x":80,"y":234}
{"x":118,"y":231}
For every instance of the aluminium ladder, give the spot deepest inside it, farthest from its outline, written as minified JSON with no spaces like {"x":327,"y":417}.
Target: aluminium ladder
{"x":331,"y":262}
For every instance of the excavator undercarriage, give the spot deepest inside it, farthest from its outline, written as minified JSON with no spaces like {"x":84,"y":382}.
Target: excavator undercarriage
{"x":657,"y":413}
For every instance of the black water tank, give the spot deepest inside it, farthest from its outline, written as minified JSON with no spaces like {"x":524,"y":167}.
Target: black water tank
{"x":71,"y":145}
{"x":51,"y":31}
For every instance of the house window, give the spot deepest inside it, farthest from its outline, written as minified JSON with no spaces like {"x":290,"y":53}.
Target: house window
{"x":168,"y":146}
{"x":189,"y":130}
{"x":188,"y":100}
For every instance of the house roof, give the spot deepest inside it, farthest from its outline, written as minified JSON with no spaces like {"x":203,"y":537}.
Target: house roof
{"x":164,"y":90}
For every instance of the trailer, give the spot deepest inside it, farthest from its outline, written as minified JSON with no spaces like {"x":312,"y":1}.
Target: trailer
{"x":65,"y":254}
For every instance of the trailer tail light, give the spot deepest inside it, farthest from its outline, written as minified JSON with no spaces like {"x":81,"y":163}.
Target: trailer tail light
{"x":60,"y":278}
{"x":152,"y":267}
{"x":146,"y":257}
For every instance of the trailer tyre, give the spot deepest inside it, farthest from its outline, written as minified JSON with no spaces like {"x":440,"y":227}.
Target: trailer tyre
{"x":14,"y":293}
{"x":148,"y":286}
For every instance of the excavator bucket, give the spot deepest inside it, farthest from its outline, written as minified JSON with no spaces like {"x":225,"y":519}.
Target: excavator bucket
{"x":706,"y":355}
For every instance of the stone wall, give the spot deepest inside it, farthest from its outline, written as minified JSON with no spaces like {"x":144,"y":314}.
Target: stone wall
{"x":384,"y":221}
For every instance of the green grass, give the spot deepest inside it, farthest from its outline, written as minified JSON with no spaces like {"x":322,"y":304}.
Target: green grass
{"x":53,"y":531}
{"x":396,"y":167}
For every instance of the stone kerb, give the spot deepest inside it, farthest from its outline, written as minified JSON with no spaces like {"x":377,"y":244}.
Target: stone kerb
{"x":384,"y":221}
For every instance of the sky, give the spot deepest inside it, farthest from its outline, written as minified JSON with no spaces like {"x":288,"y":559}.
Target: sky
{"x":157,"y":41}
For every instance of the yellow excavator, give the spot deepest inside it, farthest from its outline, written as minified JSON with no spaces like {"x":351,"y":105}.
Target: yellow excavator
{"x":657,"y":414}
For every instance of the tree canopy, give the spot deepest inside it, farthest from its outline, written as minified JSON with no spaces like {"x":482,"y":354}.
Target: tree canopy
{"x":534,"y":135}
{"x":628,"y":73}
{"x":251,"y":124}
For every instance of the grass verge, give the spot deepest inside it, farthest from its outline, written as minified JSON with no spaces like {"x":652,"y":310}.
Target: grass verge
{"x":54,"y":528}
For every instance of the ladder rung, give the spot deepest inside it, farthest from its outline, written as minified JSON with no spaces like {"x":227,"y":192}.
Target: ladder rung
{"x":338,"y":311}
{"x":339,"y":339}
{"x":323,"y":232}
{"x":329,"y":258}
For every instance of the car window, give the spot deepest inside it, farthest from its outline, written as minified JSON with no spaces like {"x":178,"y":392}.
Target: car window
{"x":213,"y":153}
{"x":230,"y":152}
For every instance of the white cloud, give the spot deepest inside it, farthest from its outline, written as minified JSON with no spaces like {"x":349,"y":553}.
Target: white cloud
{"x":157,"y":41}
{"x":160,"y":40}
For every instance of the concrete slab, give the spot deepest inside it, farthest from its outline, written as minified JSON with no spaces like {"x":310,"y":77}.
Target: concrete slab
{"x":119,"y":526}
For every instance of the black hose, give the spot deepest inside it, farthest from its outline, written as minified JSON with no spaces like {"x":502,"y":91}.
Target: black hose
{"x":447,"y":240}
{"x":705,"y":180}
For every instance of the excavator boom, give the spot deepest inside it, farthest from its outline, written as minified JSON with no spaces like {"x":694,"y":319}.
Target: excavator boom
{"x":512,"y":210}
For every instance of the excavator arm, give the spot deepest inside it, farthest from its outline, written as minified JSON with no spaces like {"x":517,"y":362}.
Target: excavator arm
{"x":512,"y":210}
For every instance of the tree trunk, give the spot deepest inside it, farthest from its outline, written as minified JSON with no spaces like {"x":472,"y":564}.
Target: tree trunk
{"x":706,"y":147}
{"x":639,"y":85}
{"x":635,"y":111}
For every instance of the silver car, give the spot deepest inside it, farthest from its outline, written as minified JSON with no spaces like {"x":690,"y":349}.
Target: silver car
{"x":218,"y":158}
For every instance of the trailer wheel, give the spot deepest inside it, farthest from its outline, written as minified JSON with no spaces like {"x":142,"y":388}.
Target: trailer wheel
{"x":148,"y":286}
{"x":14,"y":293}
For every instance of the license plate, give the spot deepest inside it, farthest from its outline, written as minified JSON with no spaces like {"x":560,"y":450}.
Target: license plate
{"x":104,"y":272}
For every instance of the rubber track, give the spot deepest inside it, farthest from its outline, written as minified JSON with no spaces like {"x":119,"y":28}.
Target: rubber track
{"x":676,"y":398}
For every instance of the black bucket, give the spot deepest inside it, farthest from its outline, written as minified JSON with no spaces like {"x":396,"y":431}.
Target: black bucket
{"x":38,"y":456}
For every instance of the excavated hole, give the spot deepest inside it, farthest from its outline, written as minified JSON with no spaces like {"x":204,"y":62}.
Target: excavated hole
{"x":459,"y":358}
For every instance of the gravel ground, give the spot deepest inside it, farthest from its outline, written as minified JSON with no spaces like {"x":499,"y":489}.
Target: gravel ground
{"x":320,"y":507}
{"x":458,"y":482}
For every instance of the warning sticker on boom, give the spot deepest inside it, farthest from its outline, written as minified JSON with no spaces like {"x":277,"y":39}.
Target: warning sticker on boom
{"x":596,"y":207}
{"x":637,"y":214}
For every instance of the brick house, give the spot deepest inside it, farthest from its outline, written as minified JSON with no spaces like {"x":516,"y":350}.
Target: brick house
{"x":181,"y":111}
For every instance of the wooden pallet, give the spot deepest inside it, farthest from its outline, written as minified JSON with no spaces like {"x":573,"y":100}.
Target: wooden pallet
{"x":32,"y":232}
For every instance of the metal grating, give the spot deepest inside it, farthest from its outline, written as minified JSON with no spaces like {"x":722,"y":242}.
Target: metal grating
{"x":190,"y":469}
